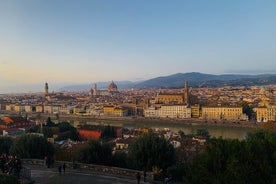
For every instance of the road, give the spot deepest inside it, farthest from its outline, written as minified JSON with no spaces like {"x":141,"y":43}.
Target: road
{"x":43,"y":175}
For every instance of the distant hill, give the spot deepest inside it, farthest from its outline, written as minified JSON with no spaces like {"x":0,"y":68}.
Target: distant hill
{"x":177,"y":81}
{"x":199,"y":79}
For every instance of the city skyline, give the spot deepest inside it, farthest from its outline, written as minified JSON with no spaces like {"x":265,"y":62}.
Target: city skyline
{"x":64,"y":42}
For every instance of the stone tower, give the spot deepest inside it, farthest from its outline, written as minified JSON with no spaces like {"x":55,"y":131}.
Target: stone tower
{"x":186,"y":93}
{"x":46,"y":89}
{"x":95,"y":90}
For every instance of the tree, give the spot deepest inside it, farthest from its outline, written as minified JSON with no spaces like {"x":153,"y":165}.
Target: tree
{"x":108,"y":132}
{"x":5,"y":145}
{"x":203,"y":132}
{"x":252,"y":160}
{"x":8,"y":179}
{"x":94,"y":152}
{"x":49,"y":122}
{"x":181,"y":133}
{"x":149,"y":151}
{"x":32,"y":146}
{"x":67,"y":131}
{"x":119,"y":159}
{"x":247,"y":109}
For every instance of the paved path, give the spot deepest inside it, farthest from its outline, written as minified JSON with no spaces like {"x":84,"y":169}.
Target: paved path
{"x":42,"y":175}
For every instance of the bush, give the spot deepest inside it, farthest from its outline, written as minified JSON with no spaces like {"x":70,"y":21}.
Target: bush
{"x":8,"y":179}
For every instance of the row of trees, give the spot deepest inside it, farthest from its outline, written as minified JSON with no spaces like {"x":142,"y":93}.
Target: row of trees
{"x":26,"y":146}
{"x":63,"y":130}
{"x":146,"y":152}
{"x":252,"y":160}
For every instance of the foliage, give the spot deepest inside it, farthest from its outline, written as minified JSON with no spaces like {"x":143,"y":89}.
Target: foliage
{"x":176,"y":171}
{"x":149,"y":150}
{"x":47,"y":131}
{"x":8,"y":179}
{"x":247,"y":109}
{"x":5,"y":145}
{"x":64,"y":130}
{"x":31,"y":146}
{"x":49,"y":122}
{"x":203,"y":132}
{"x":252,"y":160}
{"x":181,"y":133}
{"x":67,"y":131}
{"x":94,"y":153}
{"x":108,"y":132}
{"x":119,"y":159}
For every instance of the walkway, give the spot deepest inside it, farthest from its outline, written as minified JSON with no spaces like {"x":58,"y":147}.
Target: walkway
{"x":43,"y":175}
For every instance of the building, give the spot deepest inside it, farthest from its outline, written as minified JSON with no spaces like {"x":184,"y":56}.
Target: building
{"x":115,"y":111}
{"x":271,"y":111}
{"x":89,"y":134}
{"x":168,"y":98}
{"x":14,"y":122}
{"x":39,"y":108}
{"x":48,"y":109}
{"x":19,"y":108}
{"x":111,"y":90}
{"x":10,"y":107}
{"x":169,"y":111}
{"x":46,"y":88}
{"x":261,"y":114}
{"x":223,"y":113}
{"x":195,"y":110}
{"x":265,"y":114}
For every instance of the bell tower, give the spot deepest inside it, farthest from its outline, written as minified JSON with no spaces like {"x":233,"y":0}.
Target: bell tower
{"x":46,"y":89}
{"x":186,"y":93}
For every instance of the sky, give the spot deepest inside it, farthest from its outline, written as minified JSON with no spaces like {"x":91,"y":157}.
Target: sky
{"x":86,"y":41}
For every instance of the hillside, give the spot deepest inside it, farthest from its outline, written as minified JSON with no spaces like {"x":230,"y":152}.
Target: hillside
{"x":177,"y":81}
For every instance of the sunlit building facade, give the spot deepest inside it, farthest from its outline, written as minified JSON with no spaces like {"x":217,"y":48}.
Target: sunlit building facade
{"x":223,"y":113}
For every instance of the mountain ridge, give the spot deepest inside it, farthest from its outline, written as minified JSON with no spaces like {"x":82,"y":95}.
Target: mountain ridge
{"x":195,"y":79}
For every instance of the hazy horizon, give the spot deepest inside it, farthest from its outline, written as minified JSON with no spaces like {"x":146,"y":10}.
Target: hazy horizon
{"x":66,"y":41}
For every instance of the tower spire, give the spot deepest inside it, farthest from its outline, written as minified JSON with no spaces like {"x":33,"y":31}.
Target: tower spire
{"x":186,"y":93}
{"x":46,"y":89}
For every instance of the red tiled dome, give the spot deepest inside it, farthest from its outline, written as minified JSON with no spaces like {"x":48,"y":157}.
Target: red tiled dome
{"x":112,"y":86}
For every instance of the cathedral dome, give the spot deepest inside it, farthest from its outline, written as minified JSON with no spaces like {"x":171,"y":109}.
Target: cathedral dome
{"x":112,"y":86}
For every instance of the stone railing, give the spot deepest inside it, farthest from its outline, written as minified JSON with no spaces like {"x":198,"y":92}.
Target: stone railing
{"x":105,"y":170}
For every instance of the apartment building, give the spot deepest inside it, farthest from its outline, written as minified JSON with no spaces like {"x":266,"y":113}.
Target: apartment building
{"x":223,"y":113}
{"x":169,"y":111}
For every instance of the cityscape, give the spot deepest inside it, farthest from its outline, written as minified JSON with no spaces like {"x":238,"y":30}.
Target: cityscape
{"x":136,"y":92}
{"x":93,"y":112}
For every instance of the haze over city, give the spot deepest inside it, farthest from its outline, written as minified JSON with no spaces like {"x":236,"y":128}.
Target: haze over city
{"x":65,"y":42}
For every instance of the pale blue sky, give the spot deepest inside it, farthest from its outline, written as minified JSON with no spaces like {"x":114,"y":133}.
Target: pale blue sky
{"x":85,"y":41}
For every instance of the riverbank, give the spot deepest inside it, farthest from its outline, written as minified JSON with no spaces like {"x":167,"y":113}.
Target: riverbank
{"x":151,"y":121}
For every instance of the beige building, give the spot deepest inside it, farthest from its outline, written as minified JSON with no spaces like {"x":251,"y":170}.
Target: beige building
{"x":19,"y":108}
{"x":195,"y":110}
{"x":168,"y":98}
{"x":48,"y":109}
{"x":169,"y":111}
{"x":271,"y":113}
{"x":28,"y":108}
{"x":10,"y":107}
{"x":265,"y":114}
{"x":39,"y":108}
{"x":115,"y":111}
{"x":223,"y":113}
{"x":262,"y":114}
